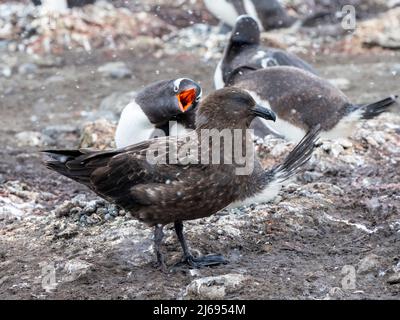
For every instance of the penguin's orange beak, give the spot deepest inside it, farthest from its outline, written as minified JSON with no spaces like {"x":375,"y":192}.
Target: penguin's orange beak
{"x":186,"y":99}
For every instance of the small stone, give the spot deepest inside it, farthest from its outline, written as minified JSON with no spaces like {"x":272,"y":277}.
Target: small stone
{"x":27,"y":68}
{"x":108,"y":217}
{"x":115,"y":70}
{"x":98,"y":135}
{"x":369,"y":264}
{"x":394,"y":279}
{"x":345,"y":143}
{"x":89,"y":208}
{"x":32,"y":139}
{"x":64,"y":210}
{"x":75,"y":269}
{"x":102,"y":211}
{"x":5,"y":71}
{"x":112,"y":105}
{"x":216,"y":287}
{"x":93,"y":219}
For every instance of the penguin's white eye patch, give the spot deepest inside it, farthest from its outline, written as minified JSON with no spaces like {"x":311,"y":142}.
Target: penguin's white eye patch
{"x":177,"y":84}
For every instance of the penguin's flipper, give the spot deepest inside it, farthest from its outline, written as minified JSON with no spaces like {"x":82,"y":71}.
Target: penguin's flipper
{"x":369,"y":111}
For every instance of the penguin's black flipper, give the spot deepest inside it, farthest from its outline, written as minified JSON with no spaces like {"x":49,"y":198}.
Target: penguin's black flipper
{"x":369,"y":111}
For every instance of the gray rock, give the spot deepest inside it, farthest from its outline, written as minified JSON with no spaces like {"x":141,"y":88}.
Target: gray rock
{"x":64,"y":209}
{"x":75,"y":269}
{"x":5,"y":71}
{"x":89,"y":208}
{"x":102,"y":211}
{"x":370,"y":263}
{"x":27,"y":68}
{"x":93,"y":219}
{"x":108,"y":217}
{"x":112,"y":105}
{"x":394,"y":279}
{"x":32,"y":139}
{"x":215,"y":287}
{"x":115,"y":70}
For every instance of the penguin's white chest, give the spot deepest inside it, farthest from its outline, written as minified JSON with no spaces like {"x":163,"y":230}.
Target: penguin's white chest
{"x":134,"y":127}
{"x":280,"y":126}
{"x":223,"y":10}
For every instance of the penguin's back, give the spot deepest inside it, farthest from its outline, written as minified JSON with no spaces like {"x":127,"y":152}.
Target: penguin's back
{"x":297,"y":96}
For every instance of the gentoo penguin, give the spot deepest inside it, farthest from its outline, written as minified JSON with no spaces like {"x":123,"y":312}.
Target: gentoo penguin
{"x":302,"y":100}
{"x":159,"y":192}
{"x":244,"y":53}
{"x":150,"y":113}
{"x":269,"y":14}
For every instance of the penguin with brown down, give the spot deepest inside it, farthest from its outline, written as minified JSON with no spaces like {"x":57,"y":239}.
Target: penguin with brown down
{"x":244,"y":53}
{"x":158,"y":188}
{"x":299,"y":97}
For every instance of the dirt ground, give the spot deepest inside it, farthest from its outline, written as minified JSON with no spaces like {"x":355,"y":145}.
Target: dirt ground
{"x":339,"y":219}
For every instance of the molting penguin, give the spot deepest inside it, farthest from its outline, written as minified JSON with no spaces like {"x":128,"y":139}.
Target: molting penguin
{"x":269,"y":14}
{"x":302,"y":100}
{"x":244,"y":53}
{"x":154,"y":107}
{"x":160,"y":193}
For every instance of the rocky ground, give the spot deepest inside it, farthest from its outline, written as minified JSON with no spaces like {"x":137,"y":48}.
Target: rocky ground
{"x":333,"y":233}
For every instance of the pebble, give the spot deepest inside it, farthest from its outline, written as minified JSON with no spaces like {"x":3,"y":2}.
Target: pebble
{"x":115,"y":70}
{"x":5,"y":71}
{"x":27,"y":68}
{"x":394,"y":279}
{"x":75,"y":269}
{"x":369,"y":264}
{"x":32,"y":139}
{"x":216,"y":287}
{"x":98,"y":135}
{"x":112,"y":105}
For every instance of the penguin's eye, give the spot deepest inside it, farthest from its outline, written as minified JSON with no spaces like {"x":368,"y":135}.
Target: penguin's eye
{"x":186,"y":99}
{"x":176,"y":88}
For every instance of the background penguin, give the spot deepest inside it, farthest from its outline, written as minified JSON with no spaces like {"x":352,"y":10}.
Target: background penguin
{"x":244,"y":53}
{"x":154,"y":107}
{"x":302,"y":100}
{"x":269,"y":14}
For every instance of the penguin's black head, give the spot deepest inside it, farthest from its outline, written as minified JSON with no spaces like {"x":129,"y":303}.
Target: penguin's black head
{"x":229,"y":108}
{"x":166,"y":100}
{"x":187,"y":94}
{"x":245,"y":31}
